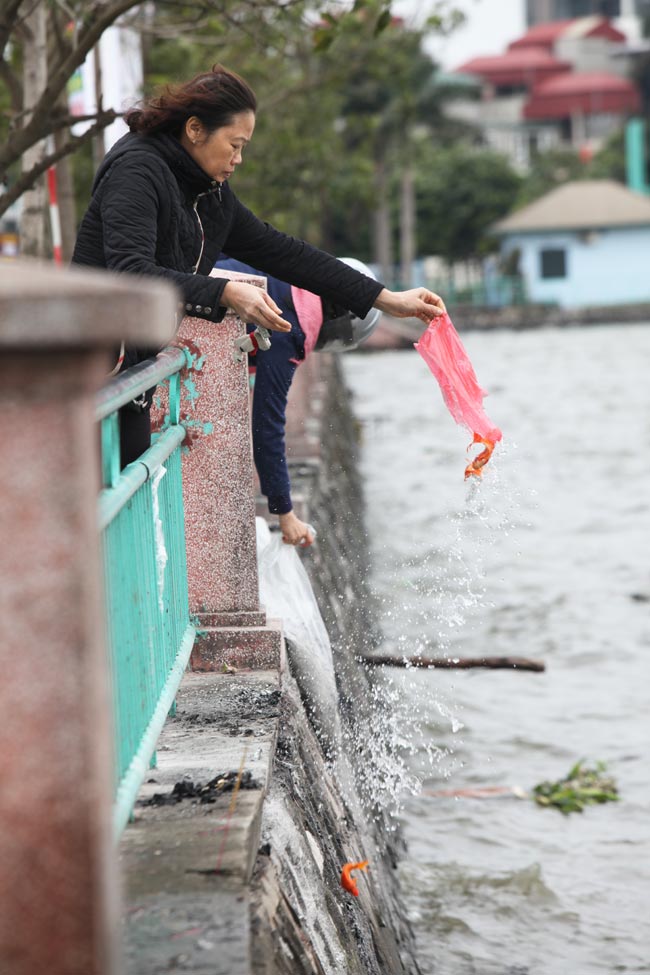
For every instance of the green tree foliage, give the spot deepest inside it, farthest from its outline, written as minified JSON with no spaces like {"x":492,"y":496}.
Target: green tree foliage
{"x":461,"y":191}
{"x":76,"y":26}
{"x":559,"y":166}
{"x":548,"y":170}
{"x":343,"y":95}
{"x":609,"y":163}
{"x":335,"y":98}
{"x":294,"y":154}
{"x":389,"y":102}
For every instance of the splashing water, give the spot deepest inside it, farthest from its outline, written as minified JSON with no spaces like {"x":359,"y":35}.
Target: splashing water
{"x":436,"y":589}
{"x":439,"y":592}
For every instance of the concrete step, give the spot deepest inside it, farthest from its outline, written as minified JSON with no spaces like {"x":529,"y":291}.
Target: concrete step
{"x":187,"y":865}
{"x":251,"y":647}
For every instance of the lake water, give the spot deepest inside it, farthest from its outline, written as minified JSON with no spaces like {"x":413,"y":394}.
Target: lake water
{"x":545,"y":557}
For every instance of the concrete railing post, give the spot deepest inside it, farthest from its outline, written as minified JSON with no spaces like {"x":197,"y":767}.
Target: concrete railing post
{"x":219,"y":497}
{"x":57,"y":880}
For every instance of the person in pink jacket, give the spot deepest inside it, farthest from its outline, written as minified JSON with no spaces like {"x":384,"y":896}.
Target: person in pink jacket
{"x":315,"y":324}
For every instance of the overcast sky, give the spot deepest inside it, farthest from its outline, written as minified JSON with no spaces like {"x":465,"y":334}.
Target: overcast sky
{"x":490,"y":26}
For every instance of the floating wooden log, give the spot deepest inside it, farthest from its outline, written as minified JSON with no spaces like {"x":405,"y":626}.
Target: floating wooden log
{"x":456,"y":663}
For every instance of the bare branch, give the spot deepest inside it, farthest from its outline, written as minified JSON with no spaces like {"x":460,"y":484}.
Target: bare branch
{"x":99,"y":17}
{"x":64,"y":121}
{"x":67,"y":56}
{"x":22,"y":18}
{"x":76,"y":142}
{"x":59,"y":42}
{"x":8,"y":13}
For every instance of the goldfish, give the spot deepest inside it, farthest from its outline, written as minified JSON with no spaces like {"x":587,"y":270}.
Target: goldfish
{"x":474,"y":468}
{"x":347,"y":881}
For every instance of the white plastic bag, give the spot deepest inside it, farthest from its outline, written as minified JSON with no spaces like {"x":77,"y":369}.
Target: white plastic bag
{"x":286,"y":594}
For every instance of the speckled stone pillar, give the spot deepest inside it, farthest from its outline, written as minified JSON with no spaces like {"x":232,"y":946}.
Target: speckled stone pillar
{"x":219,"y":497}
{"x":57,"y":869}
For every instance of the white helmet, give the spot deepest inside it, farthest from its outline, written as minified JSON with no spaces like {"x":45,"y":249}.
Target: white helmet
{"x":341,"y":330}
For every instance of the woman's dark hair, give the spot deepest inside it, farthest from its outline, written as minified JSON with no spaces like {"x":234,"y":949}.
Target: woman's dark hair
{"x":214,"y":98}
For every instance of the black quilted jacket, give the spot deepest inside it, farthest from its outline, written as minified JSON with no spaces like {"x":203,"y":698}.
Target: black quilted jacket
{"x":154,"y":211}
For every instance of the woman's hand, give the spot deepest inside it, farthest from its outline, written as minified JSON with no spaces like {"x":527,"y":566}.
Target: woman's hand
{"x":295,"y":531}
{"x":253,"y":305}
{"x":416,"y":303}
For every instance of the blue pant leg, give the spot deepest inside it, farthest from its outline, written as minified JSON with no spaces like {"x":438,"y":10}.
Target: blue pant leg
{"x":273,"y":377}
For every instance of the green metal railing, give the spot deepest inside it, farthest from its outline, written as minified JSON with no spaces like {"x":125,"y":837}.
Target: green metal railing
{"x":494,"y":291}
{"x":141,"y":519}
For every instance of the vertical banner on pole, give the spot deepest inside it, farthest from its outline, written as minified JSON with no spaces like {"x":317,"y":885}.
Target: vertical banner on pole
{"x":55,"y":217}
{"x":122,"y":77}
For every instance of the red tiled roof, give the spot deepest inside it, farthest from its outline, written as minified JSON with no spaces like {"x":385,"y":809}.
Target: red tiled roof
{"x":546,"y":35}
{"x":589,"y":93}
{"x":522,"y":67}
{"x":541,"y":35}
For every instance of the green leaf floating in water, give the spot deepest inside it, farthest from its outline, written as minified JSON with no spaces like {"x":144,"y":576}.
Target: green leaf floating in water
{"x":582,"y":787}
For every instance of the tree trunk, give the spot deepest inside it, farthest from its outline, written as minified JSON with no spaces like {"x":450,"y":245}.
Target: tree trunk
{"x":382,"y":231}
{"x":65,"y":193}
{"x":407,"y":225}
{"x":32,"y":223}
{"x":99,"y":143}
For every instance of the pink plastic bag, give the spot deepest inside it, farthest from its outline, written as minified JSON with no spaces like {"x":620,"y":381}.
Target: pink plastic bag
{"x":445,"y":355}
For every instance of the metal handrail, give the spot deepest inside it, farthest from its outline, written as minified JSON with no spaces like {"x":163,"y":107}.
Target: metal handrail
{"x":134,"y":776}
{"x":149,"y":633}
{"x":137,"y":380}
{"x":113,"y":499}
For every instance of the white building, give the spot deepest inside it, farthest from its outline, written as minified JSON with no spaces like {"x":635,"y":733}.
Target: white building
{"x":561,"y":83}
{"x":584,"y":243}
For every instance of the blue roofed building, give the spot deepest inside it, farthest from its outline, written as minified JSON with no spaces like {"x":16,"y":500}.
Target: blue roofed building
{"x":584,"y":243}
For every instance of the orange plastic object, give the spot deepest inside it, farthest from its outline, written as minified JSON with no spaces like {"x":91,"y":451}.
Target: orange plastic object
{"x":444,"y":353}
{"x":347,"y":880}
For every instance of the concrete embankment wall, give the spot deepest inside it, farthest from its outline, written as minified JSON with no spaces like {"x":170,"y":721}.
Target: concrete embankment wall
{"x":220,"y":883}
{"x":313,"y":818}
{"x":393,"y":333}
{"x":468,"y":317}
